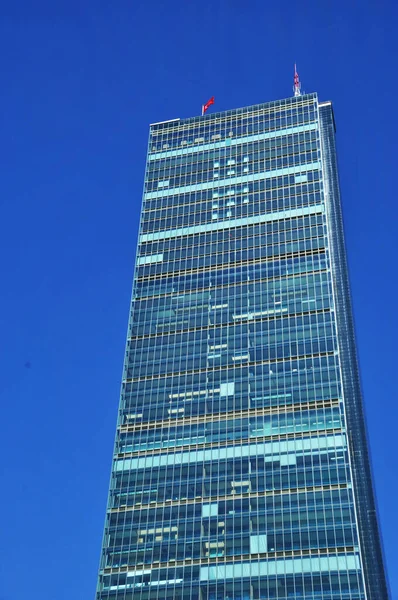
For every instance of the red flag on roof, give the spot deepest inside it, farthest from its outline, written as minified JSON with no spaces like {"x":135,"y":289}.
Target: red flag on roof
{"x":207,"y":105}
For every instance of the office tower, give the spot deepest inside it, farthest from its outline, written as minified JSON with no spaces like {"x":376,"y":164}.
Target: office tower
{"x":241,"y":467}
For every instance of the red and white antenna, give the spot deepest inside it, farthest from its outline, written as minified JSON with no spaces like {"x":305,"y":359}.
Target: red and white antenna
{"x":297,"y":84}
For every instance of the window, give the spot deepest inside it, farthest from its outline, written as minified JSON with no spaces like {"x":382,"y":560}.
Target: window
{"x":210,"y":510}
{"x":300,"y":178}
{"x":227,"y":389}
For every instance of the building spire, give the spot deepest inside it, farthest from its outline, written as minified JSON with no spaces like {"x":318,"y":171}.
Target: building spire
{"x":297,"y":84}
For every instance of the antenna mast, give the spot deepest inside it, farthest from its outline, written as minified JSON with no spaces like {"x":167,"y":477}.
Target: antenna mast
{"x":297,"y":83}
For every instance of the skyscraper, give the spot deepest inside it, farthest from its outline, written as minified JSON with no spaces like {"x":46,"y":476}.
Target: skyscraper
{"x":241,"y":466}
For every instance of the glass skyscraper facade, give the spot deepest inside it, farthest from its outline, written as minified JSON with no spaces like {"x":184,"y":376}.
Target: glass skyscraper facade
{"x":241,"y":467}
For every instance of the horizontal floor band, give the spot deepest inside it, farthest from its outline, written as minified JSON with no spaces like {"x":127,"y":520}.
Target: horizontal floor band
{"x":281,"y":556}
{"x":227,"y":497}
{"x":232,"y":443}
{"x":241,"y":264}
{"x":232,"y":223}
{"x":231,"y":181}
{"x":311,"y":564}
{"x":244,"y":318}
{"x":169,"y":277}
{"x":223,"y":368}
{"x":267,"y":449}
{"x":229,"y":416}
{"x":257,"y":137}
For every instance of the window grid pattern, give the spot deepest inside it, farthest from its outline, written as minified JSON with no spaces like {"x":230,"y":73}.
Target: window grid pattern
{"x":231,"y":474}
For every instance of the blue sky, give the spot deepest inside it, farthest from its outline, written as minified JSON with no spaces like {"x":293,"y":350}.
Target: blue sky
{"x":80,"y":82}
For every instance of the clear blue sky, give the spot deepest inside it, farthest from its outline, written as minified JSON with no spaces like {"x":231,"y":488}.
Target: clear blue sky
{"x":80,"y":82}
